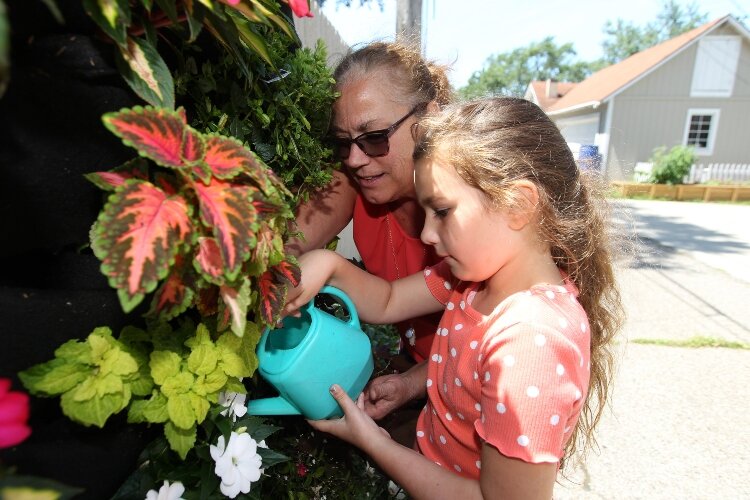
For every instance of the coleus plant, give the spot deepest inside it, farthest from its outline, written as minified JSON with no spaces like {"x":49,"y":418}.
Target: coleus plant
{"x":134,"y":27}
{"x":201,"y":224}
{"x":161,"y":375}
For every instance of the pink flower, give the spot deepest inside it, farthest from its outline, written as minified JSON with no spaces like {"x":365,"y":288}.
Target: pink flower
{"x":300,"y":8}
{"x":14,"y":412}
{"x":230,"y":2}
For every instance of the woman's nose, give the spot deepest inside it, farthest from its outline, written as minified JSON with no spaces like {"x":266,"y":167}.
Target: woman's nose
{"x":357,"y":158}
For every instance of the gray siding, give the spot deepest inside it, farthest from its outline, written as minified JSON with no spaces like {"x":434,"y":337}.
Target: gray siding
{"x":310,"y":29}
{"x":653,"y":112}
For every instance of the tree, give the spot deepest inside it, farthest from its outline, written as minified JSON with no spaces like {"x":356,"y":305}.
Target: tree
{"x":625,"y":38}
{"x":509,"y":73}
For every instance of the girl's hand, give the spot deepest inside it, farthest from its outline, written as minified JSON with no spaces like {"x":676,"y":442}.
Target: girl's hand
{"x":355,"y":427}
{"x":316,"y":269}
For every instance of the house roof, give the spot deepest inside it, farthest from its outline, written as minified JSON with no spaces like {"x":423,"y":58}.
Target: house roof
{"x":608,"y":81}
{"x":539,"y":87}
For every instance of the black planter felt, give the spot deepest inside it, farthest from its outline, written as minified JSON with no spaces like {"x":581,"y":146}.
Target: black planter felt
{"x":51,"y":290}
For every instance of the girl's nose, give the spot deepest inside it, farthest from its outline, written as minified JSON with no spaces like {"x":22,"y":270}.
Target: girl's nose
{"x":428,"y":235}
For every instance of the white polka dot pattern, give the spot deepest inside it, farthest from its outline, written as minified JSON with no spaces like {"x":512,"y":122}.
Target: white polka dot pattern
{"x":526,"y":364}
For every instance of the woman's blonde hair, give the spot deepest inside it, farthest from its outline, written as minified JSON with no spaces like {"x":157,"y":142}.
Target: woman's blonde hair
{"x":494,"y":142}
{"x":417,"y":80}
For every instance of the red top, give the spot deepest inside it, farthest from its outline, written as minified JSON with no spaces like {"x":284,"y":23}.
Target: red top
{"x":388,"y":252}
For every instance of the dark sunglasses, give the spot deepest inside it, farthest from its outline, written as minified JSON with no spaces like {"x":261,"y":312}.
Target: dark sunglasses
{"x":374,"y":143}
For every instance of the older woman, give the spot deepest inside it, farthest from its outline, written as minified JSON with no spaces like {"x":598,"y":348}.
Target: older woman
{"x":384,"y":89}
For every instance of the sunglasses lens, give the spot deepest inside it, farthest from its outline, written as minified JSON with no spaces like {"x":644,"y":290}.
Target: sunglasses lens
{"x":341,"y":148}
{"x":375,"y":144}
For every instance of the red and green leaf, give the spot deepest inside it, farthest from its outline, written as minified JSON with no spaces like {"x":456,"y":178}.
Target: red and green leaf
{"x":155,"y":132}
{"x":272,"y":296}
{"x":193,"y":145}
{"x":109,"y":181}
{"x":208,"y":261}
{"x":173,"y":297}
{"x":288,"y":270}
{"x":207,"y":301}
{"x":226,"y":209}
{"x":227,"y":157}
{"x":138,"y":235}
{"x":264,"y":247}
{"x":236,"y":302}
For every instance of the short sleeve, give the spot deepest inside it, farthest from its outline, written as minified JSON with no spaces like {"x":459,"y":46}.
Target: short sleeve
{"x":533,"y":387}
{"x":440,"y":281}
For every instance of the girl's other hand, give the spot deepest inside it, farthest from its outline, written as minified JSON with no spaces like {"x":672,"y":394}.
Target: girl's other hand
{"x":355,"y":427}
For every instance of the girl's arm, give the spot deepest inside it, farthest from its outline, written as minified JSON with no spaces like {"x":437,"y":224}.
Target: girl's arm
{"x":501,"y":477}
{"x":377,"y":300}
{"x":324,"y":215}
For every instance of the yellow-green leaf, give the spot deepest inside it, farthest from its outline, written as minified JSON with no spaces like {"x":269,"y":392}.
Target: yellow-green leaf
{"x":117,"y":361}
{"x":108,"y":384}
{"x":180,"y":440}
{"x":202,"y":360}
{"x":200,"y":406}
{"x":178,"y":384}
{"x":60,"y":378}
{"x":94,"y":411}
{"x":164,"y":364}
{"x":85,"y":390}
{"x":155,"y":409}
{"x":75,"y":351}
{"x":181,"y":411}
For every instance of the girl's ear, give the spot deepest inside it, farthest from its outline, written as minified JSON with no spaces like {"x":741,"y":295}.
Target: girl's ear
{"x":432,"y":107}
{"x":528,"y":200}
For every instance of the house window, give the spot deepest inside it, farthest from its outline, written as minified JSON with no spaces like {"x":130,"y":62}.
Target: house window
{"x":700,"y":130}
{"x":715,"y":66}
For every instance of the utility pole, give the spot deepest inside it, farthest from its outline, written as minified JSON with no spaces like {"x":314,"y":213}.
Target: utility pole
{"x":409,"y":20}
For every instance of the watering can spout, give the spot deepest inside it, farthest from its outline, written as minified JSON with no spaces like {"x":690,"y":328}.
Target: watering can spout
{"x":271,"y":406}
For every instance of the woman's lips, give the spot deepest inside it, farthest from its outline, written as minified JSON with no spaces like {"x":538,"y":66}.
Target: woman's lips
{"x":369,"y":180}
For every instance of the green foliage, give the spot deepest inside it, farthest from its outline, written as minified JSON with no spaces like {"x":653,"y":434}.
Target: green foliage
{"x":163,"y":376}
{"x":509,"y":73}
{"x":281,"y":115}
{"x":669,"y":167}
{"x":625,"y":38}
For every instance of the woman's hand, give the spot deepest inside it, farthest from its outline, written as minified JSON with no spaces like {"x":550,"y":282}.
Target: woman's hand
{"x":385,"y":394}
{"x":355,"y":427}
{"x":389,"y":392}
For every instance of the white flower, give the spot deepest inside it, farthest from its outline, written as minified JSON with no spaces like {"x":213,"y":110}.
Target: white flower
{"x":235,"y":404}
{"x":167,"y":492}
{"x":238,"y":464}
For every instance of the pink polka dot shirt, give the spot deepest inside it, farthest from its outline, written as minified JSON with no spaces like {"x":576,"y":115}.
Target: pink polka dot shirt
{"x":516,"y":379}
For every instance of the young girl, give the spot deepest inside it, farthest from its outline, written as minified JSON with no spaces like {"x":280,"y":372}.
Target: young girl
{"x":519,"y":368}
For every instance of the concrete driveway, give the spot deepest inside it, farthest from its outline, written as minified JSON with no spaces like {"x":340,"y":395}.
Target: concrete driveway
{"x":679,"y":425}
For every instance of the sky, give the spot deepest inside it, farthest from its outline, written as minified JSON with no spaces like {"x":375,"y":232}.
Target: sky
{"x":464,"y":33}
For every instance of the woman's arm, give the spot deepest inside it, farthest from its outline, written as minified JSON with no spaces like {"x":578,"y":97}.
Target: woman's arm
{"x":377,"y":300}
{"x":501,"y":477}
{"x":324,"y":215}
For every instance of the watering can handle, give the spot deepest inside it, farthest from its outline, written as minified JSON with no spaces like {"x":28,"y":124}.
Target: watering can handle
{"x":336,"y":292}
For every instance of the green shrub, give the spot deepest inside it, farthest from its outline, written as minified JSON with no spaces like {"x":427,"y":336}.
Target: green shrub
{"x":669,"y":167}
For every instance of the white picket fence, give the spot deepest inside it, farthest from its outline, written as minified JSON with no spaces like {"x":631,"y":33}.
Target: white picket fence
{"x":731,"y":173}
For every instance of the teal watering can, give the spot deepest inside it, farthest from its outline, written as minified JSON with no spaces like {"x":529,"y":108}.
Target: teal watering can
{"x":306,"y":355}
